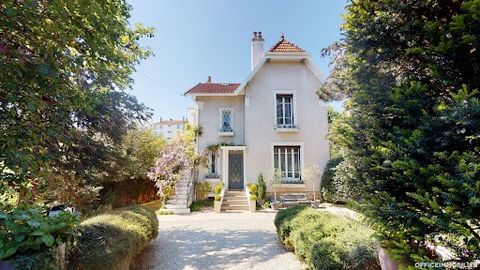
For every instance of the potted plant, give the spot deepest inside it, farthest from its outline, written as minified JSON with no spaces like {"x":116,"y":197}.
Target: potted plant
{"x":311,"y":173}
{"x":218,"y":197}
{"x":252,"y":190}
{"x":274,"y":180}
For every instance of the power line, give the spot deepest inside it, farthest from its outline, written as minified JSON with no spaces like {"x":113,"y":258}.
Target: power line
{"x":161,"y":84}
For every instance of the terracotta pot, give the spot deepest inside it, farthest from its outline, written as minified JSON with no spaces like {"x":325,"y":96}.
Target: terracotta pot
{"x":252,"y":206}
{"x":217,"y":206}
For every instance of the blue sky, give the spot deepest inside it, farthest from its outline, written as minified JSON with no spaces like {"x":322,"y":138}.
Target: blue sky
{"x":195,"y":39}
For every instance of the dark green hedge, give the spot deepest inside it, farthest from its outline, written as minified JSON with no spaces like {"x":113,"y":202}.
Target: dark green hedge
{"x":110,"y":240}
{"x":326,"y":241}
{"x":328,"y":185}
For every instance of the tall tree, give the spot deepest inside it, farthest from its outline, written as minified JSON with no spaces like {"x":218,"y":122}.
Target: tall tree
{"x":64,"y":69}
{"x":412,"y":146}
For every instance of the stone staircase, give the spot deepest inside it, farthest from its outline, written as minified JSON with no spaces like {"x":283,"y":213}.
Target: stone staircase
{"x":178,"y":203}
{"x":234,"y":200}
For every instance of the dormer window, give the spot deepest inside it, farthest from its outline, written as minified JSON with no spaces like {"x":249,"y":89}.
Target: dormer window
{"x":226,"y":120}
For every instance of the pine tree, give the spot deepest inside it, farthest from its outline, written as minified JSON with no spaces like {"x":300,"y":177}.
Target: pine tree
{"x":410,"y":71}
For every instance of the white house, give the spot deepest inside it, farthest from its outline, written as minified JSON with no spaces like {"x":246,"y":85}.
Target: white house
{"x":169,"y":128}
{"x":273,"y":119}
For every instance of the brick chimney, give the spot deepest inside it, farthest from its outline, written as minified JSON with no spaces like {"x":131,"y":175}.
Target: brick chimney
{"x":256,"y":49}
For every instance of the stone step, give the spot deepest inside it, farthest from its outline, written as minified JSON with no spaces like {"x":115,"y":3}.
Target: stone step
{"x":235,"y":201}
{"x":178,"y":196}
{"x":235,"y":192}
{"x":239,"y":199}
{"x":235,"y":197}
{"x":235,"y":207}
{"x":180,"y":211}
{"x":175,"y":206}
{"x":177,"y":201}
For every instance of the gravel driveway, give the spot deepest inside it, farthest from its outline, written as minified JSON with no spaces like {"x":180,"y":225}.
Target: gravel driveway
{"x":207,"y":240}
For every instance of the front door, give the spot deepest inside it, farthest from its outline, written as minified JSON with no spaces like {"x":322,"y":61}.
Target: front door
{"x":235,"y":170}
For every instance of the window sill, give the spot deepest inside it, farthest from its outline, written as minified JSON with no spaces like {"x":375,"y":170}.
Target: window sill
{"x":286,"y":129}
{"x":225,"y":133}
{"x":213,"y":179}
{"x":293,"y":185}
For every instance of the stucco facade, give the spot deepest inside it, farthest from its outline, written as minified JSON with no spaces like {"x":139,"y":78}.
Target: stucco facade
{"x":311,"y":117}
{"x":280,"y":89}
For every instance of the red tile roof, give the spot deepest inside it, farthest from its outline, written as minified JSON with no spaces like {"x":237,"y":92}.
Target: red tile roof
{"x":284,"y":45}
{"x":213,"y":88}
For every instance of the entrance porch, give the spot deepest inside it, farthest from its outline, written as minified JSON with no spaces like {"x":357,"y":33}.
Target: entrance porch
{"x":233,"y":167}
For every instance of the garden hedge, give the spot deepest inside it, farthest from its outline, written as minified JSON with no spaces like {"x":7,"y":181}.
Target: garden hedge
{"x":112,"y":239}
{"x":326,"y":241}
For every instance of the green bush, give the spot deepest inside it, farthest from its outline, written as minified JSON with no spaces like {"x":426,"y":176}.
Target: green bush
{"x":110,"y":240}
{"x":252,"y":189}
{"x":198,"y":205}
{"x":326,"y":241}
{"x":202,"y":189}
{"x":329,"y":186}
{"x":261,"y":188}
{"x":218,"y":188}
{"x":253,"y":197}
{"x":28,"y":237}
{"x":218,"y":197}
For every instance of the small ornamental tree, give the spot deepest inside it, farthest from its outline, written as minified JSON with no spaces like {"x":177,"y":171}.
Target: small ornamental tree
{"x":411,"y":142}
{"x":274,"y":180}
{"x":311,"y":173}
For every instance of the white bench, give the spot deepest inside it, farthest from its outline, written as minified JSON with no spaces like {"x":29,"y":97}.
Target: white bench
{"x":290,"y":199}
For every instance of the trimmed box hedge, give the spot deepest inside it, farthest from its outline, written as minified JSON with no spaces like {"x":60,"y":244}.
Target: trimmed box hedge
{"x":112,"y":239}
{"x":327,"y":241}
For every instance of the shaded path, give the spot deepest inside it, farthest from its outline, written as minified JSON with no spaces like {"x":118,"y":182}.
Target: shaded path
{"x":216,"y":241}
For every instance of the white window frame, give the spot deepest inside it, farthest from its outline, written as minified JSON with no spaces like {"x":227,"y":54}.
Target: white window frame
{"x":213,"y":163}
{"x":221,"y":110}
{"x":294,"y":104}
{"x":302,"y":158}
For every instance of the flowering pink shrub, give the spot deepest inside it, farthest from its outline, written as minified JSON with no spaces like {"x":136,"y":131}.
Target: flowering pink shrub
{"x":169,"y":167}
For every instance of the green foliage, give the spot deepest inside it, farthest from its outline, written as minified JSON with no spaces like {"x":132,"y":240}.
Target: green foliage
{"x":140,"y":148}
{"x":200,"y":204}
{"x":202,"y":189}
{"x":218,"y":197}
{"x":253,"y":197}
{"x":332,"y":189}
{"x":266,"y":204}
{"x":326,"y":241}
{"x":66,"y":66}
{"x":110,"y":240}
{"x":252,"y":188}
{"x":411,"y":143}
{"x":261,"y":188}
{"x":218,"y":188}
{"x":163,"y":212}
{"x":30,"y":233}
